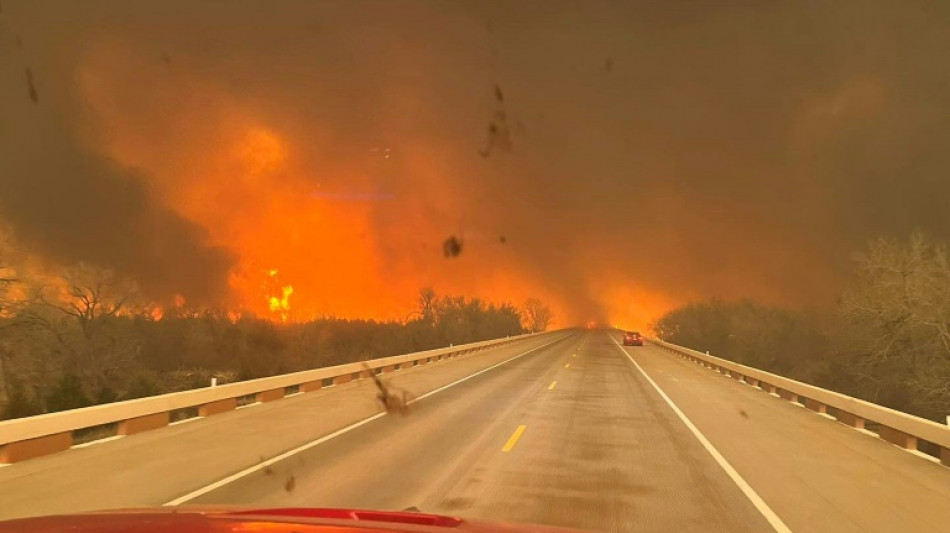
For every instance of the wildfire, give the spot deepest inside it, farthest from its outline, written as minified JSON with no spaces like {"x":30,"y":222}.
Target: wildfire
{"x":278,"y":304}
{"x":360,"y":248}
{"x":282,"y":305}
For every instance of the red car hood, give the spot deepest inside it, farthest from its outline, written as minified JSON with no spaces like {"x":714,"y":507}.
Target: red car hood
{"x":282,"y":520}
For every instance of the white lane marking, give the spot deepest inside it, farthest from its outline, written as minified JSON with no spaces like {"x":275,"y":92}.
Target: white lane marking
{"x":233,"y":477}
{"x":470,"y":376}
{"x":185,"y":420}
{"x":97,"y":441}
{"x":744,"y":486}
{"x":263,"y":464}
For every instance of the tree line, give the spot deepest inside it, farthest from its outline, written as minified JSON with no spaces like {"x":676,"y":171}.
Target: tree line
{"x":90,"y":339}
{"x":886,"y":341}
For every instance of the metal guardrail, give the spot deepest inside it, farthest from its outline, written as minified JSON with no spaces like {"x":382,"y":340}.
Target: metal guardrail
{"x":34,"y":436}
{"x":896,"y":427}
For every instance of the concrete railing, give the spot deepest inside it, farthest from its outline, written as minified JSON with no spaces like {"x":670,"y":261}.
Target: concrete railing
{"x":35,"y":436}
{"x":893,"y":426}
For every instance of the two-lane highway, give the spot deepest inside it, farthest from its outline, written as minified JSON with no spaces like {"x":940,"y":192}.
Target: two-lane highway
{"x":568,"y":429}
{"x":569,"y":435}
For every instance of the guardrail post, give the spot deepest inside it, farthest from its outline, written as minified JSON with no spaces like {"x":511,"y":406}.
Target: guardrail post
{"x":270,"y":395}
{"x":345,"y":378}
{"x":311,"y":386}
{"x":143,"y":423}
{"x":815,"y":406}
{"x":220,"y":406}
{"x":28,"y":449}
{"x":850,"y":420}
{"x":788,"y":395}
{"x":908,"y":442}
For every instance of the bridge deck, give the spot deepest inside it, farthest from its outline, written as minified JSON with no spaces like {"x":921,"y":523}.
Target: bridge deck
{"x":570,"y":433}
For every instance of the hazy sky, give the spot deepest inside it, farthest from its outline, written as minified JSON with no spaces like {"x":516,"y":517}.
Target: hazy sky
{"x":644,"y":154}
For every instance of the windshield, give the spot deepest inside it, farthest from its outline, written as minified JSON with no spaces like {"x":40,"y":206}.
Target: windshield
{"x":389,"y":254}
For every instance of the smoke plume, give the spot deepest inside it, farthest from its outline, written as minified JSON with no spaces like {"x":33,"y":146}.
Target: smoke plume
{"x":638,"y":155}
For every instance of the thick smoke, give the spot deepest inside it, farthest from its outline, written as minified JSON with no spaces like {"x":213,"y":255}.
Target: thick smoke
{"x":67,"y":201}
{"x":645,"y":153}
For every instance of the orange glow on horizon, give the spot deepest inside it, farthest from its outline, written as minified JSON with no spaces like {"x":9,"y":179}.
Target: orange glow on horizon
{"x":311,"y":230}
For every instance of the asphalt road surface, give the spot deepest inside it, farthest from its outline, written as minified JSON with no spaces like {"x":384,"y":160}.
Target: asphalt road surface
{"x":570,"y":435}
{"x":567,"y":429}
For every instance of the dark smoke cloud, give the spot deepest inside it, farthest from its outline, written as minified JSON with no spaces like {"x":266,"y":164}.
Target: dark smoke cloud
{"x":694,"y":149}
{"x":68,"y":203}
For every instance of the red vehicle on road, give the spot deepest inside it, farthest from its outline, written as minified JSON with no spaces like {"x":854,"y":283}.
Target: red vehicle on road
{"x":287,"y":520}
{"x":632,"y":338}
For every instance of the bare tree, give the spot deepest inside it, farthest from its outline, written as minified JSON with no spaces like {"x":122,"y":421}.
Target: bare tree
{"x":537,"y":315}
{"x":79,"y":312}
{"x":427,"y":302}
{"x":898,"y":312}
{"x":93,"y":293}
{"x":7,"y":278}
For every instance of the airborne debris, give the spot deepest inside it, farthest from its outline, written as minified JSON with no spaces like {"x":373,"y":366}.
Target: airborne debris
{"x":609,"y":64}
{"x":32,"y":86}
{"x":393,"y":401}
{"x":166,"y":59}
{"x":452,"y":247}
{"x":290,"y":484}
{"x":502,"y":239}
{"x":743,"y":413}
{"x":499,"y":137}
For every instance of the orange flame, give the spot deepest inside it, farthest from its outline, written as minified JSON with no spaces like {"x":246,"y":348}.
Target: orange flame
{"x":345,"y":258}
{"x":281,"y":305}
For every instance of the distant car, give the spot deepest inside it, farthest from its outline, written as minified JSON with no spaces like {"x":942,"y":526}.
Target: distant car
{"x":632,"y":338}
{"x":290,"y":520}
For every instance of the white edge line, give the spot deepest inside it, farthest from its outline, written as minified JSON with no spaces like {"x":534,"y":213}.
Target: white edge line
{"x":94,"y":442}
{"x":263,"y":464}
{"x":185,"y":420}
{"x":744,"y":486}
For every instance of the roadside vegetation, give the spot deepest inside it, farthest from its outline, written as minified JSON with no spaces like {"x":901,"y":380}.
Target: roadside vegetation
{"x":90,"y":339}
{"x":886,"y":341}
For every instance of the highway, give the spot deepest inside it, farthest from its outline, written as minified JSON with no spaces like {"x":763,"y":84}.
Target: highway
{"x":599,"y":451}
{"x":566,"y":430}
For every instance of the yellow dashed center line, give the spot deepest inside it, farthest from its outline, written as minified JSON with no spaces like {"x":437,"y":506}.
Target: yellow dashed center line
{"x":567,"y":365}
{"x":552,"y":385}
{"x":514,"y":438}
{"x":573,"y":355}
